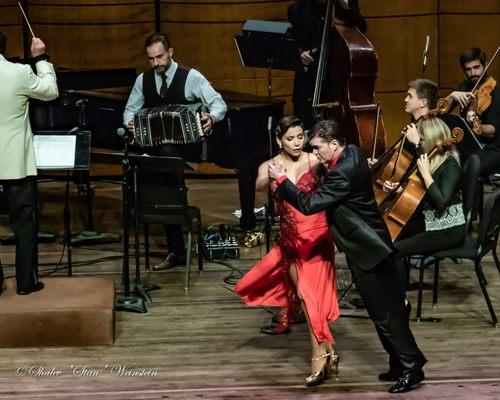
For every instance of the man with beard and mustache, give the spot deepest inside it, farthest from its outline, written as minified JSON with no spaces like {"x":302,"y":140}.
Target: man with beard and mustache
{"x":473,"y":62}
{"x":485,"y":161}
{"x":166,"y":83}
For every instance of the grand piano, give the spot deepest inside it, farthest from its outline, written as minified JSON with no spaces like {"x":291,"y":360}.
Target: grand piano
{"x":95,"y":100}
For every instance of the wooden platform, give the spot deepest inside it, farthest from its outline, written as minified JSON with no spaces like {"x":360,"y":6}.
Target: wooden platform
{"x":207,"y":345}
{"x":76,"y":311}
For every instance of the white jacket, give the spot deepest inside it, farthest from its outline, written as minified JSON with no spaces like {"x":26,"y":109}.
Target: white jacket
{"x":18,"y":83}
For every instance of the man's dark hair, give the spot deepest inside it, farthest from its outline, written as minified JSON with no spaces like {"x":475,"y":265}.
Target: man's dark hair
{"x":426,"y":90}
{"x":473,"y":55}
{"x":327,"y":130}
{"x":3,"y":43}
{"x":158,"y":37}
{"x":286,"y":123}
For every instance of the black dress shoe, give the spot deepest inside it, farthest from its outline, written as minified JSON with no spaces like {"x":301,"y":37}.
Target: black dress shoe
{"x":390,"y":376}
{"x":407,"y":381}
{"x":39,"y":286}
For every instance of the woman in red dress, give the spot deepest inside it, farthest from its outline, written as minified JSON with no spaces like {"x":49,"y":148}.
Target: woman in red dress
{"x":301,"y":266}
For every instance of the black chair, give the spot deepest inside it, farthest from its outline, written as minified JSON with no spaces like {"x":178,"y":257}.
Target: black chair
{"x":474,"y":248}
{"x":160,"y":196}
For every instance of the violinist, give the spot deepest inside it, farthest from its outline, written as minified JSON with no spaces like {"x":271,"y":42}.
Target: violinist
{"x":438,"y":223}
{"x":485,"y":161}
{"x":307,"y":19}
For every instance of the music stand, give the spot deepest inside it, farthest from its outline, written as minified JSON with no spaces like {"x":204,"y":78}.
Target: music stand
{"x":132,"y":165}
{"x":268,"y":44}
{"x":47,"y":142}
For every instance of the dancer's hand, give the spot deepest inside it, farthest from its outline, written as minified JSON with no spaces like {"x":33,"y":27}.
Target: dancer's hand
{"x":276,"y":170}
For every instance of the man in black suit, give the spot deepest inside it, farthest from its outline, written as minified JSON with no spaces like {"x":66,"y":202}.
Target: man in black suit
{"x":360,"y":232}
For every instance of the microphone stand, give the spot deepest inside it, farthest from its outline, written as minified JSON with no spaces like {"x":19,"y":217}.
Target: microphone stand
{"x":127,"y":301}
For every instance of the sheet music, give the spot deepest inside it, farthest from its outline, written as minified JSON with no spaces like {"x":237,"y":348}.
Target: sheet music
{"x":55,"y":151}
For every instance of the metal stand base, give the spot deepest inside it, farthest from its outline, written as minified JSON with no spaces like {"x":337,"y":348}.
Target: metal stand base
{"x":130,"y":303}
{"x":142,"y":291}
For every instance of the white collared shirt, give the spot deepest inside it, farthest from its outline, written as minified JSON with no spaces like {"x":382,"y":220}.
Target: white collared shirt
{"x":196,"y":88}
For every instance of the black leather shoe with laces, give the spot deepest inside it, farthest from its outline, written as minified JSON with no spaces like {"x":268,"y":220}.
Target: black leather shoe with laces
{"x":407,"y":381}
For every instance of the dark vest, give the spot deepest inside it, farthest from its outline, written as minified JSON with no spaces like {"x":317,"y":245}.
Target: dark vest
{"x":175,"y":93}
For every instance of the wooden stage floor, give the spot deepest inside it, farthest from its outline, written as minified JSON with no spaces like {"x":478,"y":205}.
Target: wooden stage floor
{"x":207,"y":345}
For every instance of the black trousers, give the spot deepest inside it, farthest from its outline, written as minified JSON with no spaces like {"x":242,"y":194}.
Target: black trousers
{"x":478,"y":164}
{"x":423,"y":243}
{"x":22,"y":204}
{"x":382,"y":290}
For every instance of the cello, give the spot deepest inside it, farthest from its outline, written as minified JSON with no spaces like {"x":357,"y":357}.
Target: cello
{"x":345,"y":84}
{"x":405,"y":203}
{"x":394,"y":163}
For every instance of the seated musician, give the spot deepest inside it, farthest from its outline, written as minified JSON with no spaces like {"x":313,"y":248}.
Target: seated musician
{"x":487,"y":160}
{"x":169,"y":83}
{"x":306,"y":17}
{"x":421,"y":97}
{"x":439,"y":222}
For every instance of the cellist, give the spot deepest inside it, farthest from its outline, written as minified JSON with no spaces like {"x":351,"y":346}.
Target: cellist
{"x":421,"y":97}
{"x":487,"y":160}
{"x":438,"y":223}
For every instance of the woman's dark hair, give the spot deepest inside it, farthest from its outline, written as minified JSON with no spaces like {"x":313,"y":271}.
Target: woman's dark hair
{"x":327,"y":130}
{"x":158,"y":38}
{"x":286,"y":123}
{"x":3,"y":43}
{"x":473,"y":55}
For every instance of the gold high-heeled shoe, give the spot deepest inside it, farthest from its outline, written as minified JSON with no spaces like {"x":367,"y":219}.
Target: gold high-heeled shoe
{"x":318,"y":377}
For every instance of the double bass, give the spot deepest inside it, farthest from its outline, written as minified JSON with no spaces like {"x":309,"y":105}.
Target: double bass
{"x":345,"y":84}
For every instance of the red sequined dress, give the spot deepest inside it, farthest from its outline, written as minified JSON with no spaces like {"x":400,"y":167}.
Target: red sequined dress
{"x":306,"y":242}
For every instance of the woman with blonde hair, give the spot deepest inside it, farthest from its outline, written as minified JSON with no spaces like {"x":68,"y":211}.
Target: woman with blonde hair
{"x":439,"y":221}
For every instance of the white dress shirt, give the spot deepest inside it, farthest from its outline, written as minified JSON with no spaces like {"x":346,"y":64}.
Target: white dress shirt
{"x":196,"y":88}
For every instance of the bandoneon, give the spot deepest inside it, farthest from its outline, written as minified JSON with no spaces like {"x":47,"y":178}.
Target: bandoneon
{"x":175,"y":123}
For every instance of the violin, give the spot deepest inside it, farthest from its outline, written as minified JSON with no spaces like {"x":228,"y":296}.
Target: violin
{"x":480,"y":103}
{"x":405,"y":203}
{"x":481,"y":95}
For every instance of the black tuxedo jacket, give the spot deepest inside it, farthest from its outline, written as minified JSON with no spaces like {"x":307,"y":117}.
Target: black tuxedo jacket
{"x":347,"y":197}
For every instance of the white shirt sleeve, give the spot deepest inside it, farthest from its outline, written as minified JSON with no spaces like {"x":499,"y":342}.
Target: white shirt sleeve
{"x":135,"y":101}
{"x":198,"y":87}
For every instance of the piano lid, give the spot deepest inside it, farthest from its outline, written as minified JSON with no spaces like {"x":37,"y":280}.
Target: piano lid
{"x":95,"y":79}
